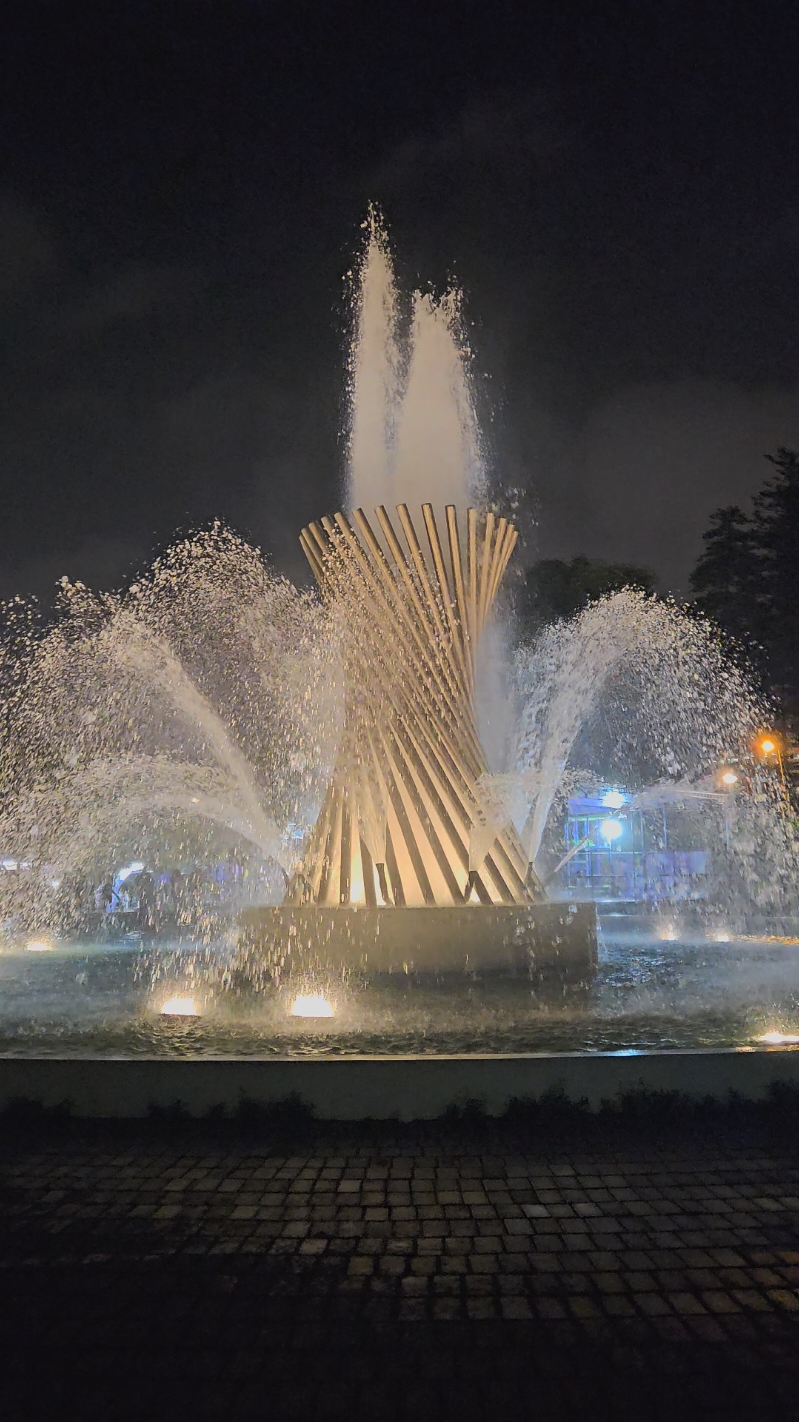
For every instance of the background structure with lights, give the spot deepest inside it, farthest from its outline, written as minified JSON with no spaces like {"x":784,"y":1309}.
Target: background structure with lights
{"x":616,"y":851}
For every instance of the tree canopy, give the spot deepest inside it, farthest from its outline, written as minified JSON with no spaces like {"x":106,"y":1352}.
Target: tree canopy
{"x":556,"y":589}
{"x":747,"y":577}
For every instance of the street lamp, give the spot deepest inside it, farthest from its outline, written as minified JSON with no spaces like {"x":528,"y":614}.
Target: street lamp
{"x":728,"y":779}
{"x":769,"y":744}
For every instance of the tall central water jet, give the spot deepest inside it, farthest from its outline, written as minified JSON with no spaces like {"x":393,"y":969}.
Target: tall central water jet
{"x":413,"y":434}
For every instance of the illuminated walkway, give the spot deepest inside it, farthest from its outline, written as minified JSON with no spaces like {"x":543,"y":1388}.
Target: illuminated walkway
{"x":157,"y":1274}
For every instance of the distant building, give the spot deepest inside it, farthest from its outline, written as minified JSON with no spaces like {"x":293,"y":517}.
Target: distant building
{"x":616,"y":852}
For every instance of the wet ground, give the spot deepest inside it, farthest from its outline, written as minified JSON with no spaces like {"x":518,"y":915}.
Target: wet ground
{"x":648,"y":994}
{"x":421,"y":1276}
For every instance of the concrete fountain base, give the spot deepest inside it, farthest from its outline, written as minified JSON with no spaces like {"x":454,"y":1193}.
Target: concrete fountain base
{"x":539,"y":939}
{"x":350,"y":1088}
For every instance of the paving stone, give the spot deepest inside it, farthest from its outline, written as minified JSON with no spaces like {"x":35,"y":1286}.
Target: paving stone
{"x":784,"y":1299}
{"x":719,"y":1302}
{"x":338,"y":1282}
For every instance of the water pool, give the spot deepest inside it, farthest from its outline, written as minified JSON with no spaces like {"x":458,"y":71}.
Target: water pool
{"x":90,"y":998}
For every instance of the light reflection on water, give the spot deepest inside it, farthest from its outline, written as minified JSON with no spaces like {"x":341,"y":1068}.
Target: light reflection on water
{"x":96,"y":998}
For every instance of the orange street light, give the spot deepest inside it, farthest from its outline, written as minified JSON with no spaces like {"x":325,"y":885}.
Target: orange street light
{"x":769,"y":744}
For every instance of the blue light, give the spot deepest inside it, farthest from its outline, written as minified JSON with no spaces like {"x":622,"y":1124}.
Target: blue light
{"x":614,"y":799}
{"x":611,"y":829}
{"x":129,"y":869}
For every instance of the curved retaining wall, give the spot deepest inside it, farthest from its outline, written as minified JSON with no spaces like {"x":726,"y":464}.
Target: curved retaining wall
{"x":407,"y":1088}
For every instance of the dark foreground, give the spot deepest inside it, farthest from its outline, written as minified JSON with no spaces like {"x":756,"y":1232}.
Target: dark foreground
{"x":452,"y":1271}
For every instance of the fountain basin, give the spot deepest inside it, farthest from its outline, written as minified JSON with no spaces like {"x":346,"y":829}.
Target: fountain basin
{"x":543,"y":940}
{"x":383,"y":1088}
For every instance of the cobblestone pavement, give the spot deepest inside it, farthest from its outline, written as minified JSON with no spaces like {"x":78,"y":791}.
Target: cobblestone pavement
{"x":203,"y":1277}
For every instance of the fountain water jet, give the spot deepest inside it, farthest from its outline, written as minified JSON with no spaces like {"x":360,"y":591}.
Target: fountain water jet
{"x":407,"y":821}
{"x":214,"y":694}
{"x":204,"y":696}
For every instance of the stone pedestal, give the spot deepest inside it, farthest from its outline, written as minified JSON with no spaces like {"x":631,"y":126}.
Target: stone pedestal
{"x":542,"y":940}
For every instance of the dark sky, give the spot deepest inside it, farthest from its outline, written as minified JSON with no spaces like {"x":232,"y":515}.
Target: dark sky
{"x":616,"y":187}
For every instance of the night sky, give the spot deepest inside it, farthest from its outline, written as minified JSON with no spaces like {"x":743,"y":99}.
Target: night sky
{"x":616,"y":187}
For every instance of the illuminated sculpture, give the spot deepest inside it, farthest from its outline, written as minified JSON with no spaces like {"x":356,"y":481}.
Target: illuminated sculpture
{"x":408,"y":818}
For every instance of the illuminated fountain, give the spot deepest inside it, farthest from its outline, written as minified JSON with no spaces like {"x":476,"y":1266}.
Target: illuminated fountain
{"x":335,"y":744}
{"x":412,"y":865}
{"x":414,"y":861}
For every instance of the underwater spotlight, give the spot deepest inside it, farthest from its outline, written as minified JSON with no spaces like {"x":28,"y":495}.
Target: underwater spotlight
{"x":180,"y":1007}
{"x":779,"y":1039}
{"x":669,"y":933}
{"x":39,"y":945}
{"x":729,"y":778}
{"x":311,"y":1004}
{"x":610,"y":830}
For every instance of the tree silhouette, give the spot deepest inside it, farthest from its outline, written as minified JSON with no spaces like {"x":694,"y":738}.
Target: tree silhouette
{"x":554,"y":589}
{"x":747,"y":577}
{"x":727,"y":580}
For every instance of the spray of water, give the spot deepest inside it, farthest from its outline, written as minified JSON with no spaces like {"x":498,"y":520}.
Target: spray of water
{"x":637,"y":689}
{"x":204,"y":704}
{"x":375,"y":373}
{"x":413,"y":430}
{"x":661,"y":674}
{"x":207,"y":695}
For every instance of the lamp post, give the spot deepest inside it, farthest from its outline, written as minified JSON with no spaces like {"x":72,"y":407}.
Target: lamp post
{"x":728,"y":778}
